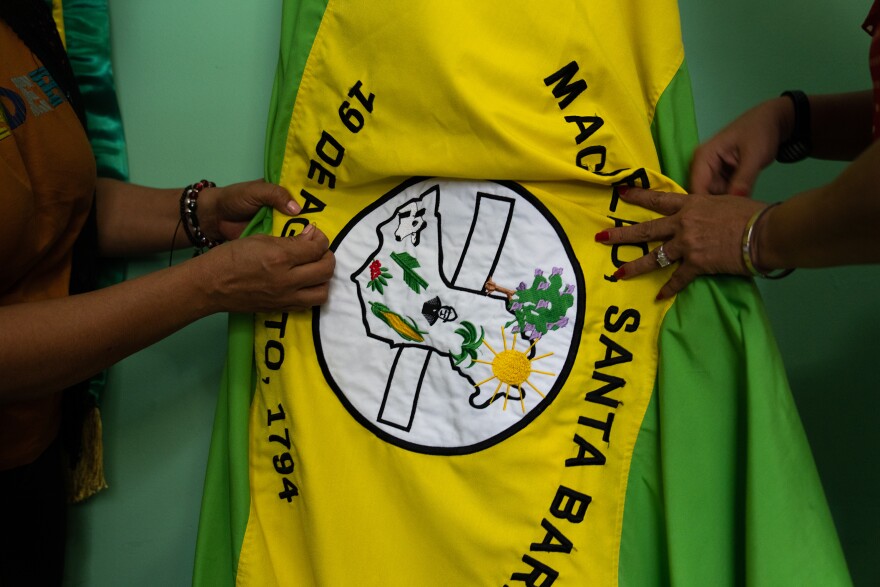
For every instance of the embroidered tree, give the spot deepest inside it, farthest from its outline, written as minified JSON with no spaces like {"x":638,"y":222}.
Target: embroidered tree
{"x":542,"y":307}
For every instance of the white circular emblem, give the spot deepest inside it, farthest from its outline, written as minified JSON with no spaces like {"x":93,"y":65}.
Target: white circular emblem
{"x":454,"y":314}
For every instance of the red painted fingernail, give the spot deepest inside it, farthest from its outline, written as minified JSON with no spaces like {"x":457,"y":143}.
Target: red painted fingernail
{"x":622,"y":189}
{"x":620,"y":273}
{"x":603,"y":236}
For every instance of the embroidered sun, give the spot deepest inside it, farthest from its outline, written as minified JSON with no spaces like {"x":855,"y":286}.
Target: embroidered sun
{"x":512,"y":368}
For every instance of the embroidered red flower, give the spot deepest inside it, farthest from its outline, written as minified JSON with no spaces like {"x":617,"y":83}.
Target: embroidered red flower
{"x":375,"y":269}
{"x":379,"y":277}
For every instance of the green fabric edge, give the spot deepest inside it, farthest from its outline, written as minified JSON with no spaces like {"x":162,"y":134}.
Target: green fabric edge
{"x":674,"y":127}
{"x":643,"y":553}
{"x":226,"y":495}
{"x":710,"y":499}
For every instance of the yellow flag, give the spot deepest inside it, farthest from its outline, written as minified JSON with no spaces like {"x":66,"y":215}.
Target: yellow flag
{"x":464,"y":409}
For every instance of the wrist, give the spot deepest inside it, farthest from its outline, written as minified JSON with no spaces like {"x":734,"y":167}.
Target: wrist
{"x":783,"y":113}
{"x":796,"y":143}
{"x":757,"y":246}
{"x":196,"y":219}
{"x":763,"y":255}
{"x":208,"y":215}
{"x":203,"y":283}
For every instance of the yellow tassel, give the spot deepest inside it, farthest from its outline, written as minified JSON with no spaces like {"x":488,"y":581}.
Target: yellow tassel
{"x":87,"y":478}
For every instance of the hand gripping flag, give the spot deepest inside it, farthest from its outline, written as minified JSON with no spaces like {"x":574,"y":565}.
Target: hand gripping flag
{"x":479,"y":402}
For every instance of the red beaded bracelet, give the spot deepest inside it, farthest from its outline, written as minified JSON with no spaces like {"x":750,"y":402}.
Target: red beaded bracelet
{"x":190,"y":219}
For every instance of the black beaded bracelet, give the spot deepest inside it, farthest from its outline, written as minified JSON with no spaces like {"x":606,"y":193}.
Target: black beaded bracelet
{"x":190,"y":219}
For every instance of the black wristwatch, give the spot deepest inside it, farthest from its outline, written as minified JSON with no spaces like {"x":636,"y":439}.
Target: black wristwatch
{"x":798,"y":146}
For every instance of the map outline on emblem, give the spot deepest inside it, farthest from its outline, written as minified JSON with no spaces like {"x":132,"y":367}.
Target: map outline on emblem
{"x":395,"y":256}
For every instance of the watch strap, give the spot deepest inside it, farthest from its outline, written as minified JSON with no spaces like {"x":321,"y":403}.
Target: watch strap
{"x":798,"y":146}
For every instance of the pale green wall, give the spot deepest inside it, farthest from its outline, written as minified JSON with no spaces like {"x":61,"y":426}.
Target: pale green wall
{"x":194,"y":78}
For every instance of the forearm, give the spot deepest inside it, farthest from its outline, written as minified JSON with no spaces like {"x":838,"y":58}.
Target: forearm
{"x":136,"y":220}
{"x":841,"y":124}
{"x":49,"y":345}
{"x":837,"y":224}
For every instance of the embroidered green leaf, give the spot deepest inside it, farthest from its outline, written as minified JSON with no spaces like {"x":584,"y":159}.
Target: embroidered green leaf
{"x":409,"y":264}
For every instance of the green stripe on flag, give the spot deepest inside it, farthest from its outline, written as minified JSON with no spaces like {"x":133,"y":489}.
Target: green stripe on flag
{"x":674,"y":127}
{"x":711,"y":499}
{"x":226,"y":496}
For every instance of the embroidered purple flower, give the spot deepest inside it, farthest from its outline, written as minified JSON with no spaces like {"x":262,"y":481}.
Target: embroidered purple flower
{"x":539,"y":272}
{"x":516,"y":306}
{"x":543,"y":304}
{"x":521,"y":286}
{"x":544,"y":285}
{"x":562,"y":322}
{"x":556,"y":271}
{"x":569,"y":289}
{"x":515,"y":328}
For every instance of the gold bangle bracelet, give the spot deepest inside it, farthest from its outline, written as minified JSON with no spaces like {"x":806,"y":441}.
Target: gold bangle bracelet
{"x":750,"y":245}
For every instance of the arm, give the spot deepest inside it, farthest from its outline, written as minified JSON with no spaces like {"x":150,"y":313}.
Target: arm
{"x":836,"y":224}
{"x":134,"y":220}
{"x":729,"y":163}
{"x":49,"y":345}
{"x":840,"y":125}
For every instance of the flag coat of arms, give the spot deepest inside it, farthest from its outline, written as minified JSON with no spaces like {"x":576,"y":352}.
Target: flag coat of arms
{"x":480,"y":402}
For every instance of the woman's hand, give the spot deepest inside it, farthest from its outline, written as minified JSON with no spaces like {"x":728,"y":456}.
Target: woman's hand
{"x":263,"y":273}
{"x":701,"y":233}
{"x":88,"y":332}
{"x":729,"y":162}
{"x":224,"y":212}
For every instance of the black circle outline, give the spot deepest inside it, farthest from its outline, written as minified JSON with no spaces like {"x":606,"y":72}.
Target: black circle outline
{"x":535,"y":412}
